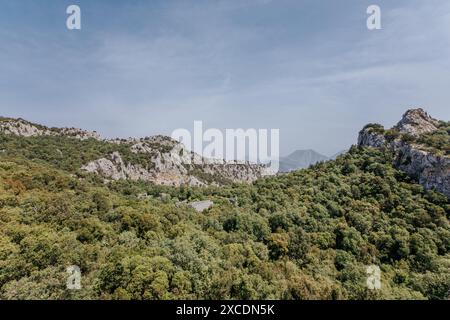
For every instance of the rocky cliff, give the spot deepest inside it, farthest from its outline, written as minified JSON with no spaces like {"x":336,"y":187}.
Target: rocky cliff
{"x":417,"y":122}
{"x":412,"y":153}
{"x":170,"y":163}
{"x":157,"y":159}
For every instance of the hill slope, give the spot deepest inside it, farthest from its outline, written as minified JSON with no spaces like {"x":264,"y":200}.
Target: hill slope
{"x":158,"y":159}
{"x":309,"y":234}
{"x":421,"y":146}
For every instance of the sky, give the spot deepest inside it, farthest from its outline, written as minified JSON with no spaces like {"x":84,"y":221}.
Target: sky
{"x":309,"y":68}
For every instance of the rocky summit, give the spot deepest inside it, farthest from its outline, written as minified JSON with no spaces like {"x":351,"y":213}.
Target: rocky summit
{"x":420,"y":145}
{"x":417,"y":122}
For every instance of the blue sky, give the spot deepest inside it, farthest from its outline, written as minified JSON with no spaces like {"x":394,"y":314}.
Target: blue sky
{"x":310,"y":68}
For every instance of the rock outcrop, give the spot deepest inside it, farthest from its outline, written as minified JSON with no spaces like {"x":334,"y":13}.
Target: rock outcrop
{"x":174,"y":165}
{"x":115,"y":168}
{"x":417,"y":122}
{"x":431,"y":170}
{"x":371,"y":136}
{"x":24,"y":128}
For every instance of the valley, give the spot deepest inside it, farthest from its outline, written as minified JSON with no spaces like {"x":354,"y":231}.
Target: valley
{"x":306,"y":234}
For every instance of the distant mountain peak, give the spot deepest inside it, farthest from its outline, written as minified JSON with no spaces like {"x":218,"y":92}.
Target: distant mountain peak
{"x":301,"y":159}
{"x":302,"y":151}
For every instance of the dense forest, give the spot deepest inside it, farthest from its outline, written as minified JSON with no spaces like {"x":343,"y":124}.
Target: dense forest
{"x":309,"y":234}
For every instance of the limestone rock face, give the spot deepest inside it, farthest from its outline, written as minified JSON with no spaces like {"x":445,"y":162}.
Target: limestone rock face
{"x":369,"y":137}
{"x":116,"y":169}
{"x":22,"y":128}
{"x":79,"y":134}
{"x":431,"y":170}
{"x":168,"y":162}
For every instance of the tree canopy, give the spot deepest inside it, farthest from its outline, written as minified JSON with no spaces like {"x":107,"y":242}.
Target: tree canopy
{"x":309,"y":234}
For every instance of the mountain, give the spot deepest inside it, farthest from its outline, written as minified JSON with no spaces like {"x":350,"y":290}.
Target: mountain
{"x":421,"y":147}
{"x":300,"y":159}
{"x":309,"y":234}
{"x":158,"y":159}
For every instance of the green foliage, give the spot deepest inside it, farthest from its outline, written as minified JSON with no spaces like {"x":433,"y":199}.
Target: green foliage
{"x":374,"y":127}
{"x":309,"y":234}
{"x":437,"y":142}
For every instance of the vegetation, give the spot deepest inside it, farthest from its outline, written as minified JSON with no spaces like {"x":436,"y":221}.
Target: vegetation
{"x":305,"y":235}
{"x":374,"y":127}
{"x":66,"y":153}
{"x":437,"y":142}
{"x":209,"y":178}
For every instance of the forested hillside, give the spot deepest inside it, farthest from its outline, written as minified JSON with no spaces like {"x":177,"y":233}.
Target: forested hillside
{"x":305,"y":235}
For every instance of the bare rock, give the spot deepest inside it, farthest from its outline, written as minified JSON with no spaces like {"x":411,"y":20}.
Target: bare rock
{"x":417,"y":122}
{"x":22,"y":128}
{"x":369,"y":136}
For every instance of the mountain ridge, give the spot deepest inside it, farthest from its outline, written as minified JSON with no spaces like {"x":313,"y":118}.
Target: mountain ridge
{"x":301,"y":159}
{"x":304,"y":158}
{"x":158,"y":159}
